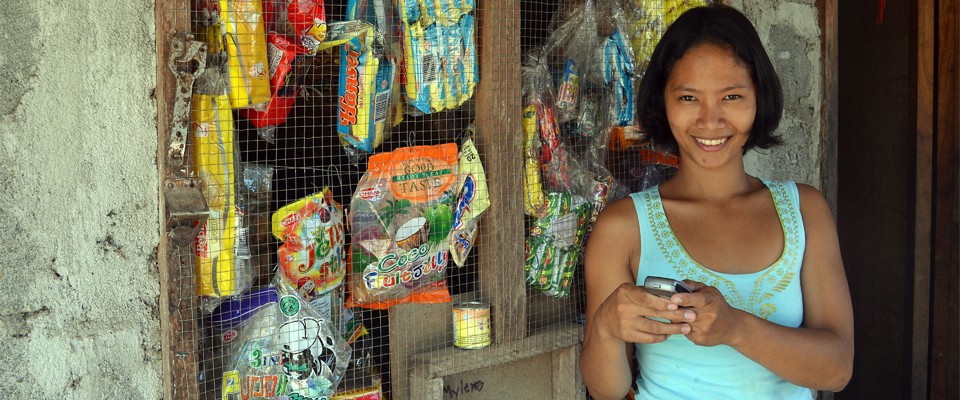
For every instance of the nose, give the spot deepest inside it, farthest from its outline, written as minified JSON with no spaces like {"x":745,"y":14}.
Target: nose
{"x":711,"y":117}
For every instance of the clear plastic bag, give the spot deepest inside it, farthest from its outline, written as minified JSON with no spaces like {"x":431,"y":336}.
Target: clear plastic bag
{"x":286,"y":350}
{"x":401,"y":218}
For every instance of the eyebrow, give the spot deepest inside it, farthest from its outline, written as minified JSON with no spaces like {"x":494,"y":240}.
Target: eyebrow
{"x":682,"y":88}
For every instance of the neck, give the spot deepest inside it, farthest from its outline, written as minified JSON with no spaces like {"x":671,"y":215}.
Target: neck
{"x":715,"y":185}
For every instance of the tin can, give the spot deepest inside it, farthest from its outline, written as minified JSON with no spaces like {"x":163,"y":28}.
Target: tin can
{"x":471,"y":325}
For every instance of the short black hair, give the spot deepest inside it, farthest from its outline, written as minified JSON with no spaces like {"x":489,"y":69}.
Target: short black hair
{"x":723,"y":26}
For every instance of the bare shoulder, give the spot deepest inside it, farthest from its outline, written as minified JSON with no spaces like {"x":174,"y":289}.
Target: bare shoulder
{"x":812,"y":203}
{"x":618,"y":218}
{"x":615,"y":235}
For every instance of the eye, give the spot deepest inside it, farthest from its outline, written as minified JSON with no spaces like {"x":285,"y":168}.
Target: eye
{"x":732,"y":97}
{"x":687,"y":98}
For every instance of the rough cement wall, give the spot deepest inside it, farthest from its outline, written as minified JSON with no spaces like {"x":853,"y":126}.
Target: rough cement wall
{"x":790,"y":32}
{"x":78,"y":201}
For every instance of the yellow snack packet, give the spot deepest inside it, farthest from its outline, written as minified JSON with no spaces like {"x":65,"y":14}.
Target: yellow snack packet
{"x":212,"y":129}
{"x":244,"y":38}
{"x":534,"y":202}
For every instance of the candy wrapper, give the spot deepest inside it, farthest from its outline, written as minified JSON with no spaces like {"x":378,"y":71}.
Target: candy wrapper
{"x":555,"y":242}
{"x":368,"y":97}
{"x":284,"y":88}
{"x":472,"y":202}
{"x":221,"y":270}
{"x":312,"y":254}
{"x":371,"y":392}
{"x":618,"y":72}
{"x":309,"y":22}
{"x":286,"y":351}
{"x":439,"y":56}
{"x":534,"y":201}
{"x":537,"y":92}
{"x":244,"y":38}
{"x":401,"y":219}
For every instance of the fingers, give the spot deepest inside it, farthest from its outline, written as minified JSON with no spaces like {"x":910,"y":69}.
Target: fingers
{"x":702,"y":296}
{"x":656,"y":331}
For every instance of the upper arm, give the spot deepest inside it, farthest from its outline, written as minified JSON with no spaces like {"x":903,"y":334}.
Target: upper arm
{"x":826,"y":295}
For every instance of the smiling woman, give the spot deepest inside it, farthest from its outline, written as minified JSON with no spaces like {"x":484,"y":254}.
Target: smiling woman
{"x":711,"y":104}
{"x":768,"y":314}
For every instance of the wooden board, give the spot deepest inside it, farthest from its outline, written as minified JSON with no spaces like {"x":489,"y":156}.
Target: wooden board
{"x":944,"y":359}
{"x":415,"y":328}
{"x":924,"y":170}
{"x":433,"y":371}
{"x":500,"y":245}
{"x":179,"y":339}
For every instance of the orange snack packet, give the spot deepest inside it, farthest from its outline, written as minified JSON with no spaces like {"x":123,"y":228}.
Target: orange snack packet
{"x":401,"y":220}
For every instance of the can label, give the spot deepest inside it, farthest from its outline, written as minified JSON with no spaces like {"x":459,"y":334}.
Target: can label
{"x":471,"y":325}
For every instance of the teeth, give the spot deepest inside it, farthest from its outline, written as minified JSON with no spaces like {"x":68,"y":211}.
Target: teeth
{"x":714,"y":142}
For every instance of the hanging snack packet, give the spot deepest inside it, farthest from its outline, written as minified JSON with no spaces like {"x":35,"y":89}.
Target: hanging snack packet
{"x":312,"y":254}
{"x":286,"y":351}
{"x":220,"y":272}
{"x":367,"y":80}
{"x":243,"y":36}
{"x":284,"y":88}
{"x":401,"y":218}
{"x":534,"y":202}
{"x":555,"y":243}
{"x":421,"y":59}
{"x":553,"y":155}
{"x":452,"y":53}
{"x":472,"y":202}
{"x":567,"y":94}
{"x":309,"y":22}
{"x":618,"y":72}
{"x":468,"y":73}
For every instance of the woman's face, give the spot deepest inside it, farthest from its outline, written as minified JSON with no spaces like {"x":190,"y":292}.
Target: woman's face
{"x":711,"y":104}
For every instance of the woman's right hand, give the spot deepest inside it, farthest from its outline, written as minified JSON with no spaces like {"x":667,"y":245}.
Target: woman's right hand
{"x":626,"y":316}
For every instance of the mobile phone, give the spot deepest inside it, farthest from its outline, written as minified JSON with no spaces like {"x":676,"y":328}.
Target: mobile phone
{"x":664,"y":287}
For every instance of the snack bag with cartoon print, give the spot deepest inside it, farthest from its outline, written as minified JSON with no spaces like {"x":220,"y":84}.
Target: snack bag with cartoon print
{"x":311,"y":257}
{"x":286,"y":351}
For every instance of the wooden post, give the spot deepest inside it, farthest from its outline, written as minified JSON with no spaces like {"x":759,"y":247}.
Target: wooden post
{"x":945,"y":278}
{"x":178,"y":330}
{"x":921,"y":250}
{"x":500,"y":246}
{"x":829,"y":119}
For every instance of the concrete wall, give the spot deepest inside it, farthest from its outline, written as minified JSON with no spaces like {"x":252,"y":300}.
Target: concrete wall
{"x":790,"y":32}
{"x":78,"y":201}
{"x":78,"y":187}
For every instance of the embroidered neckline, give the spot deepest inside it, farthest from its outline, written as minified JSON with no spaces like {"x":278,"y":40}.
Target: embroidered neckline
{"x":779,"y":274}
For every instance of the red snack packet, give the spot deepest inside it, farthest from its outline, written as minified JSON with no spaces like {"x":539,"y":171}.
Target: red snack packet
{"x":309,"y":21}
{"x":283,"y":88}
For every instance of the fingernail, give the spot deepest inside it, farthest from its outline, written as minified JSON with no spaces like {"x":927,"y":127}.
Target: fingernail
{"x":685,"y":329}
{"x":689,"y":315}
{"x":672,"y":307}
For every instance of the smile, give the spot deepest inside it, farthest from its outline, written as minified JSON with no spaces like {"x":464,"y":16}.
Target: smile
{"x":711,"y":142}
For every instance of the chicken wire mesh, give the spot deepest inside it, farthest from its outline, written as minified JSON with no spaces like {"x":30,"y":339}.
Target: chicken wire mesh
{"x":373,"y":229}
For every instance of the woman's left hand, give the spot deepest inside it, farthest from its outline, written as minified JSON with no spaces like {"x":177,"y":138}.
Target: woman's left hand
{"x":714,"y":321}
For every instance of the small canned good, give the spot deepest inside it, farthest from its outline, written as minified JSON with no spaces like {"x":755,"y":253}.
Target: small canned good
{"x":471,"y":325}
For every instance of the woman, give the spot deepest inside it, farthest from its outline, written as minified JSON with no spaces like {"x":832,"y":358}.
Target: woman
{"x":769,"y":315}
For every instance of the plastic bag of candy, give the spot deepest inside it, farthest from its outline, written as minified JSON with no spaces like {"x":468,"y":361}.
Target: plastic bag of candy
{"x":285,"y":350}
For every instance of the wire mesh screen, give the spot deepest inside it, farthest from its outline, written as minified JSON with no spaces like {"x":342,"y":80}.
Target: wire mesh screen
{"x":399,"y":192}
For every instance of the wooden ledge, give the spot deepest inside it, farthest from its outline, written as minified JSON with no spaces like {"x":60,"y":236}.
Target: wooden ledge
{"x":452,"y":360}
